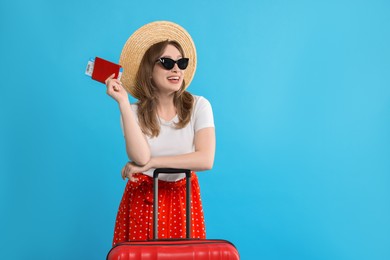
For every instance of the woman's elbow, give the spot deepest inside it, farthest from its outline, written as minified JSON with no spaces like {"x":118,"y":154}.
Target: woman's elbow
{"x":207,"y":165}
{"x":140,"y":160}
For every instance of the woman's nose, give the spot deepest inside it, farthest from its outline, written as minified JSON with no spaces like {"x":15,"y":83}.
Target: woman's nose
{"x":175,"y":68}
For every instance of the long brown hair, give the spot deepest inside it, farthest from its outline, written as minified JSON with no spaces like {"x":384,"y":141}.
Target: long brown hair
{"x":145,"y":92}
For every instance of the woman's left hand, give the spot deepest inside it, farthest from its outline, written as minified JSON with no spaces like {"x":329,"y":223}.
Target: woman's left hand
{"x":131,"y":168}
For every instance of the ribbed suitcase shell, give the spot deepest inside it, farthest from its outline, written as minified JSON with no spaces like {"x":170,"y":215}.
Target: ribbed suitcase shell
{"x":193,"y":249}
{"x":174,"y":249}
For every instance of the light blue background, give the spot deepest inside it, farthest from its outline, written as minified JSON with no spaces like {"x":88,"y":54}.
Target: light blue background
{"x":301,"y":96}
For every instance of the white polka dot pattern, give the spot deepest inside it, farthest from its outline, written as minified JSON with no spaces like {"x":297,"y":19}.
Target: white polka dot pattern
{"x":134,"y":220}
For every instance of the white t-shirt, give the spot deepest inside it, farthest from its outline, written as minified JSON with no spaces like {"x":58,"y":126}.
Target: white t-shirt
{"x":172,"y":141}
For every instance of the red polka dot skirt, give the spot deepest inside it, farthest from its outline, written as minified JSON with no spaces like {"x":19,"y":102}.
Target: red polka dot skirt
{"x":134,"y":220}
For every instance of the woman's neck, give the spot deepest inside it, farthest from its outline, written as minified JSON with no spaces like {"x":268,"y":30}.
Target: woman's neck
{"x":166,"y":108}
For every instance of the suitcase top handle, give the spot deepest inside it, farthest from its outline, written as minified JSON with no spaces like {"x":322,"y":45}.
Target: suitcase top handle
{"x":155,"y":198}
{"x":170,"y":171}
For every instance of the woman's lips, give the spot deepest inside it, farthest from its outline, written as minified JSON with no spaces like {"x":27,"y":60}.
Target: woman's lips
{"x":174,"y":79}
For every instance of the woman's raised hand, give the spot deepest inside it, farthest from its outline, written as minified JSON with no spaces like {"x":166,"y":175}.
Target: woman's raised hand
{"x":116,"y":90}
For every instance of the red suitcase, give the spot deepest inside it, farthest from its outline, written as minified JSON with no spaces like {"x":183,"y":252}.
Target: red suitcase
{"x":168,"y":249}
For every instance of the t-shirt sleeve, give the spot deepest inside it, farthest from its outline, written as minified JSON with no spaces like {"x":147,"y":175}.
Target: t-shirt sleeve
{"x":203,"y":114}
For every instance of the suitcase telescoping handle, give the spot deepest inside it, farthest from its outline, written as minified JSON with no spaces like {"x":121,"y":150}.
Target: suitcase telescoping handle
{"x":155,"y":198}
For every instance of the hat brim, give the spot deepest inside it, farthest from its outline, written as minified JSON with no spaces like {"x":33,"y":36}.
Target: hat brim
{"x":143,"y":38}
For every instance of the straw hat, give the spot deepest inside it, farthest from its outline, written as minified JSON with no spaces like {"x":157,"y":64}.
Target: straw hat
{"x":149,"y":34}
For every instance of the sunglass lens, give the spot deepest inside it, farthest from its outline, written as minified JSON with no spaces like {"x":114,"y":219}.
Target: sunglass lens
{"x":167,"y":63}
{"x":182,"y":63}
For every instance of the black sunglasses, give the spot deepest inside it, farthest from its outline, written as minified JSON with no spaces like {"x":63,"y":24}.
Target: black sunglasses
{"x":168,"y":63}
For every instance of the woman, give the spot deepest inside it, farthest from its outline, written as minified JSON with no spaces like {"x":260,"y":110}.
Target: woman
{"x":167,"y":128}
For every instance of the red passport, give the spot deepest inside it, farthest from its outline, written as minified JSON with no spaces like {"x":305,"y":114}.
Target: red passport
{"x":102,"y":69}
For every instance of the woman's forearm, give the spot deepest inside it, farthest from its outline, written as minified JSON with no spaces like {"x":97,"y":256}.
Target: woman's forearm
{"x":137,"y":147}
{"x":196,"y":161}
